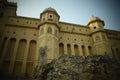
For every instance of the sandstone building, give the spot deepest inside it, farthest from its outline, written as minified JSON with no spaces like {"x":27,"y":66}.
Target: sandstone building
{"x":21,"y":38}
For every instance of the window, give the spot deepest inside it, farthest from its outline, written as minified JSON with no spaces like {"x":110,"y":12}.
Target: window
{"x":97,"y":38}
{"x":49,"y":30}
{"x":34,"y":34}
{"x":51,"y":16}
{"x":94,"y":27}
{"x":43,"y":19}
{"x":14,"y":32}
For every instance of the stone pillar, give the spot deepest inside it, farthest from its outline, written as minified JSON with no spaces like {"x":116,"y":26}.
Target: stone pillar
{"x":3,"y":53}
{"x":65,"y":49}
{"x":80,"y":51}
{"x":23,"y":70}
{"x":72,"y":49}
{"x":37,"y":60}
{"x":1,"y":41}
{"x":13,"y":58}
{"x":86,"y":50}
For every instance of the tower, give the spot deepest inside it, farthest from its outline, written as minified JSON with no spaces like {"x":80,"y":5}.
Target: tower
{"x":49,"y":32}
{"x":6,"y":9}
{"x":98,"y":34}
{"x":95,"y":24}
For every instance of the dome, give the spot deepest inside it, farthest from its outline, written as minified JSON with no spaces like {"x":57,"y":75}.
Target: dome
{"x":50,"y":9}
{"x":94,"y":18}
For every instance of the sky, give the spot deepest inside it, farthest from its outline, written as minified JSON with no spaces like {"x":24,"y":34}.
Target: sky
{"x":74,"y":11}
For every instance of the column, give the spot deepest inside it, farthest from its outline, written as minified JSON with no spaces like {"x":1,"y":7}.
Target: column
{"x":13,"y":58}
{"x":3,"y":54}
{"x":1,"y":41}
{"x":80,"y":50}
{"x":72,"y":49}
{"x":23,"y":70}
{"x":37,"y":60}
{"x":86,"y":50}
{"x":65,"y":48}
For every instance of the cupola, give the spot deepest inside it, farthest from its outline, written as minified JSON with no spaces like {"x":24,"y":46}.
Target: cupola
{"x":49,"y":15}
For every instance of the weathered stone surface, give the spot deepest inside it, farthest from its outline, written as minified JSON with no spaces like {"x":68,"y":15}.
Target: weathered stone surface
{"x":92,"y":67}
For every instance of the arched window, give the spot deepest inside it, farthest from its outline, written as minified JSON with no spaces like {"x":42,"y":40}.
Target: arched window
{"x":61,"y":48}
{"x":83,"y":50}
{"x":32,"y":50}
{"x":76,"y":49}
{"x":10,"y":48}
{"x":97,"y":38}
{"x":49,"y":30}
{"x":21,"y":49}
{"x":90,"y":49}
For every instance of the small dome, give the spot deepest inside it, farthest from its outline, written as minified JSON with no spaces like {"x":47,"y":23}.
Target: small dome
{"x":50,"y":9}
{"x":94,"y":18}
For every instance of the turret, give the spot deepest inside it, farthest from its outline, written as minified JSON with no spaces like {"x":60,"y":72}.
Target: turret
{"x":95,"y":24}
{"x":49,"y":15}
{"x":49,"y":32}
{"x":98,"y":35}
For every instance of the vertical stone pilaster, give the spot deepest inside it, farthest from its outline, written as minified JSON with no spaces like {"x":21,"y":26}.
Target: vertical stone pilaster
{"x":23,"y":70}
{"x":80,"y":51}
{"x":13,"y":58}
{"x":37,"y":55}
{"x":65,"y":48}
{"x":3,"y":53}
{"x":72,"y":49}
{"x":1,"y":41}
{"x":86,"y":50}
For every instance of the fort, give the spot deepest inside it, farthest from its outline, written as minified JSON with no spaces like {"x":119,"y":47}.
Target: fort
{"x":22,"y":37}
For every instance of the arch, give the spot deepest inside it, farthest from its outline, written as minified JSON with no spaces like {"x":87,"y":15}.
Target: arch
{"x":97,"y":38}
{"x":69,"y":49}
{"x":21,"y":49}
{"x":10,"y":48}
{"x":76,"y":49}
{"x":90,"y":49}
{"x":49,"y":30}
{"x":61,"y":48}
{"x":83,"y":50}
{"x":3,"y":45}
{"x":32,"y":50}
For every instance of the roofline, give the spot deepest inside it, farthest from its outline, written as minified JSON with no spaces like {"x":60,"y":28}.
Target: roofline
{"x":74,"y":24}
{"x":24,"y":17}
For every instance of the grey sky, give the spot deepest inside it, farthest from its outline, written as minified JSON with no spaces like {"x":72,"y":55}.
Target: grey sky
{"x":74,"y":11}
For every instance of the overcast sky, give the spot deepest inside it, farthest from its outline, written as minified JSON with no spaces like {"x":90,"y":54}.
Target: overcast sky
{"x":74,"y":11}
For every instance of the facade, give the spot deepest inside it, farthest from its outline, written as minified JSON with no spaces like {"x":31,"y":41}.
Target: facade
{"x":22,"y":37}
